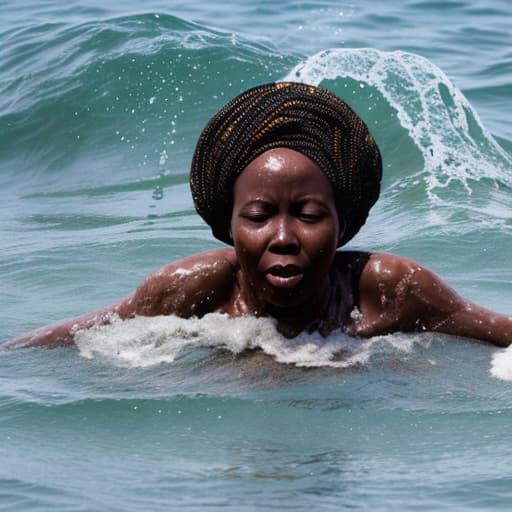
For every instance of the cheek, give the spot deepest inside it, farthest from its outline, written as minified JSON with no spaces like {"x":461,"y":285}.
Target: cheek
{"x":248,"y":245}
{"x":246,"y":235}
{"x":323,"y":242}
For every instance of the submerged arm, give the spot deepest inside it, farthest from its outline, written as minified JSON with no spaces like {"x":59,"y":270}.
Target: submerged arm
{"x":192,"y":286}
{"x":398,"y":294}
{"x":62,"y":334}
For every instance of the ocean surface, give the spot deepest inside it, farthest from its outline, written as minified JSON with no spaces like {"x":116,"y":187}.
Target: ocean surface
{"x":100,"y":107}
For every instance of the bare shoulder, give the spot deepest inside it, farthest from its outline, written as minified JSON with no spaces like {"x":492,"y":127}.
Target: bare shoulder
{"x":389,"y":270}
{"x":204,"y":263}
{"x":398,"y":293}
{"x":191,"y":286}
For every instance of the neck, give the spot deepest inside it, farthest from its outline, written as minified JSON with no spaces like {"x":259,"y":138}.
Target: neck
{"x":312,"y":315}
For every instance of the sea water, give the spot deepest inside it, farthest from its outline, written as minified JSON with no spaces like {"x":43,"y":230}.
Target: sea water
{"x":100,"y":107}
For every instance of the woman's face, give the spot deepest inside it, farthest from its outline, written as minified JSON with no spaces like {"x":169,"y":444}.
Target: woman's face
{"x":285,"y":228}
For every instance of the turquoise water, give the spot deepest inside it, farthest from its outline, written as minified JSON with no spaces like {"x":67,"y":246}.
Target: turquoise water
{"x":100,"y":107}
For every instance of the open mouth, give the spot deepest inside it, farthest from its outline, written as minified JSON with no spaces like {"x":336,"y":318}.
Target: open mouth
{"x":286,"y":277}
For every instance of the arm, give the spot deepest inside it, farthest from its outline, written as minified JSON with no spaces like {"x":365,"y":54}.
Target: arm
{"x":59,"y":335}
{"x":398,"y":294}
{"x":191,"y":286}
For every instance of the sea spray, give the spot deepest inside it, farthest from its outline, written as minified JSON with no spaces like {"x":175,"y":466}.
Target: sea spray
{"x":501,"y":364}
{"x":443,"y":125}
{"x":148,"y":341}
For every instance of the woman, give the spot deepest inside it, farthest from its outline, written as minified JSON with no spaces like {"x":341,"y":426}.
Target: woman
{"x":286,"y":173}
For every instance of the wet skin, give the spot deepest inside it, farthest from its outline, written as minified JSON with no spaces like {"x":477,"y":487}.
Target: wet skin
{"x":284,"y":264}
{"x":285,"y":231}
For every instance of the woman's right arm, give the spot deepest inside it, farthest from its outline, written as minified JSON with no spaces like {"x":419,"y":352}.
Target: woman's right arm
{"x":188,"y":287}
{"x":59,"y":335}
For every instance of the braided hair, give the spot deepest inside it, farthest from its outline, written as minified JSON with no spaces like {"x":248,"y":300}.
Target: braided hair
{"x":307,"y":119}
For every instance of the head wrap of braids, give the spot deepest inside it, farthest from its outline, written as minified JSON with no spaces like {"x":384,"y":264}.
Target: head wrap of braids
{"x":307,"y":119}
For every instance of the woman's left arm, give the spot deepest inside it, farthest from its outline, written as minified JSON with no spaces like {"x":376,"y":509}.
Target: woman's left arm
{"x":398,"y":294}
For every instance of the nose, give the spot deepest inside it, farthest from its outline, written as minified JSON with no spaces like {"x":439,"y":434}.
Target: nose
{"x":284,"y":238}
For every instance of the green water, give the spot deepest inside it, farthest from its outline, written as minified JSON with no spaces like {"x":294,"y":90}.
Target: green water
{"x":100,"y":106}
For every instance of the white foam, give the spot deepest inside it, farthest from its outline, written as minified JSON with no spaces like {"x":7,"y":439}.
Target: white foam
{"x":501,"y":364}
{"x":435,"y":113}
{"x":148,"y":341}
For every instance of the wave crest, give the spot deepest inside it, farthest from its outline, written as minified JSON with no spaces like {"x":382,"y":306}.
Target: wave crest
{"x":453,"y":142}
{"x":148,"y":341}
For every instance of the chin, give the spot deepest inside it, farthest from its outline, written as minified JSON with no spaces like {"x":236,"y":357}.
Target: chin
{"x":287,"y":300}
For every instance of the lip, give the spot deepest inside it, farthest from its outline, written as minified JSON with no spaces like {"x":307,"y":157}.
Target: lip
{"x":285,"y":277}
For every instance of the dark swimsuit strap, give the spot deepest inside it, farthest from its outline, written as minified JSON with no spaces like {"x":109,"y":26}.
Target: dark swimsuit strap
{"x":358,"y":265}
{"x":354,"y":263}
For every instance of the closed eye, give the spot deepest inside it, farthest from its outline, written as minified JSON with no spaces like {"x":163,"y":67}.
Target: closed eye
{"x":257,"y":211}
{"x":309,"y":211}
{"x":257,"y":218}
{"x":311,"y":217}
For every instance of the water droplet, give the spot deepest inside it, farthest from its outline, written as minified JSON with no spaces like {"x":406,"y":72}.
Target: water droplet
{"x":158,"y":193}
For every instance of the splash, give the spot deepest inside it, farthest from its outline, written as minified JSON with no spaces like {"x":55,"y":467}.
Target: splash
{"x":453,"y":141}
{"x":149,"y":341}
{"x":501,"y":365}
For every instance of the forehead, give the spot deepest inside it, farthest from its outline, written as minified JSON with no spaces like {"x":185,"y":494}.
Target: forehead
{"x":280,"y":170}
